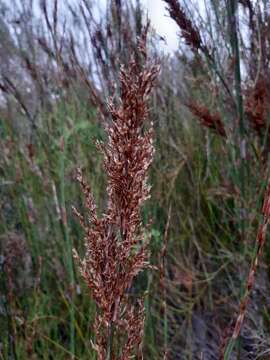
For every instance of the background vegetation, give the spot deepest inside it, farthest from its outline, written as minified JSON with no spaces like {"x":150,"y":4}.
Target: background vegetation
{"x":58,"y":64}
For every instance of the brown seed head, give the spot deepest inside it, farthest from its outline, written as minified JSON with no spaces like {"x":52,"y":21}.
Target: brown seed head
{"x":189,"y":31}
{"x":115,"y":248}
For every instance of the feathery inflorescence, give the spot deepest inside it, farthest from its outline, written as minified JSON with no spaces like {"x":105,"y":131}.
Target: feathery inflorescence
{"x":257,"y":105}
{"x":206,"y":118}
{"x":189,"y":32}
{"x":115,"y":245}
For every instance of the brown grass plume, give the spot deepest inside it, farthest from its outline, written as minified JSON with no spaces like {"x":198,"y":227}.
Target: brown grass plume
{"x":115,"y":245}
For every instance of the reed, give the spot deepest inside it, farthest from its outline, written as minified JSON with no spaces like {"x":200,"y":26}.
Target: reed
{"x":58,"y":66}
{"x":115,"y":244}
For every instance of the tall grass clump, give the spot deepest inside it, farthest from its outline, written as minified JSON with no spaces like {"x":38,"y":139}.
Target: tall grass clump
{"x":116,"y":242}
{"x":230,"y":80}
{"x":210,"y":108}
{"x":259,"y":247}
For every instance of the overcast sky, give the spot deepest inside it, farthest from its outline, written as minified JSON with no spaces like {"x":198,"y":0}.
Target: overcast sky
{"x":158,"y":15}
{"x":164,"y":26}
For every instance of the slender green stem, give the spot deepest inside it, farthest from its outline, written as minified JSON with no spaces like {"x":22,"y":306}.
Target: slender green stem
{"x":69,"y":249}
{"x":110,"y":342}
{"x":241,"y":149}
{"x":233,"y":20}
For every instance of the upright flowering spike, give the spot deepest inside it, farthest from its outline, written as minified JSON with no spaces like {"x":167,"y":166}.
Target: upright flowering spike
{"x":115,"y":249}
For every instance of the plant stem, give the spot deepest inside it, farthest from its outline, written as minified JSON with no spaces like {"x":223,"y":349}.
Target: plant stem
{"x":110,"y":342}
{"x":240,"y":134}
{"x":233,"y":21}
{"x":69,"y":249}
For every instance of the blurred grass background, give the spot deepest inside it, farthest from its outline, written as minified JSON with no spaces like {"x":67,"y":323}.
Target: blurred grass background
{"x":58,"y":66}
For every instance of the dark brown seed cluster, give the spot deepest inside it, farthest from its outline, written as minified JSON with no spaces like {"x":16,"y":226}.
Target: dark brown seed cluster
{"x":210,"y":120}
{"x":257,"y":105}
{"x":115,"y":244}
{"x":189,"y":32}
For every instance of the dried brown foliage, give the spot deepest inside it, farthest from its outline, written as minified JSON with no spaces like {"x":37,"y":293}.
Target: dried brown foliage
{"x":188,"y":30}
{"x":257,"y":105}
{"x":210,"y":120}
{"x":116,"y":249}
{"x":17,"y":263}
